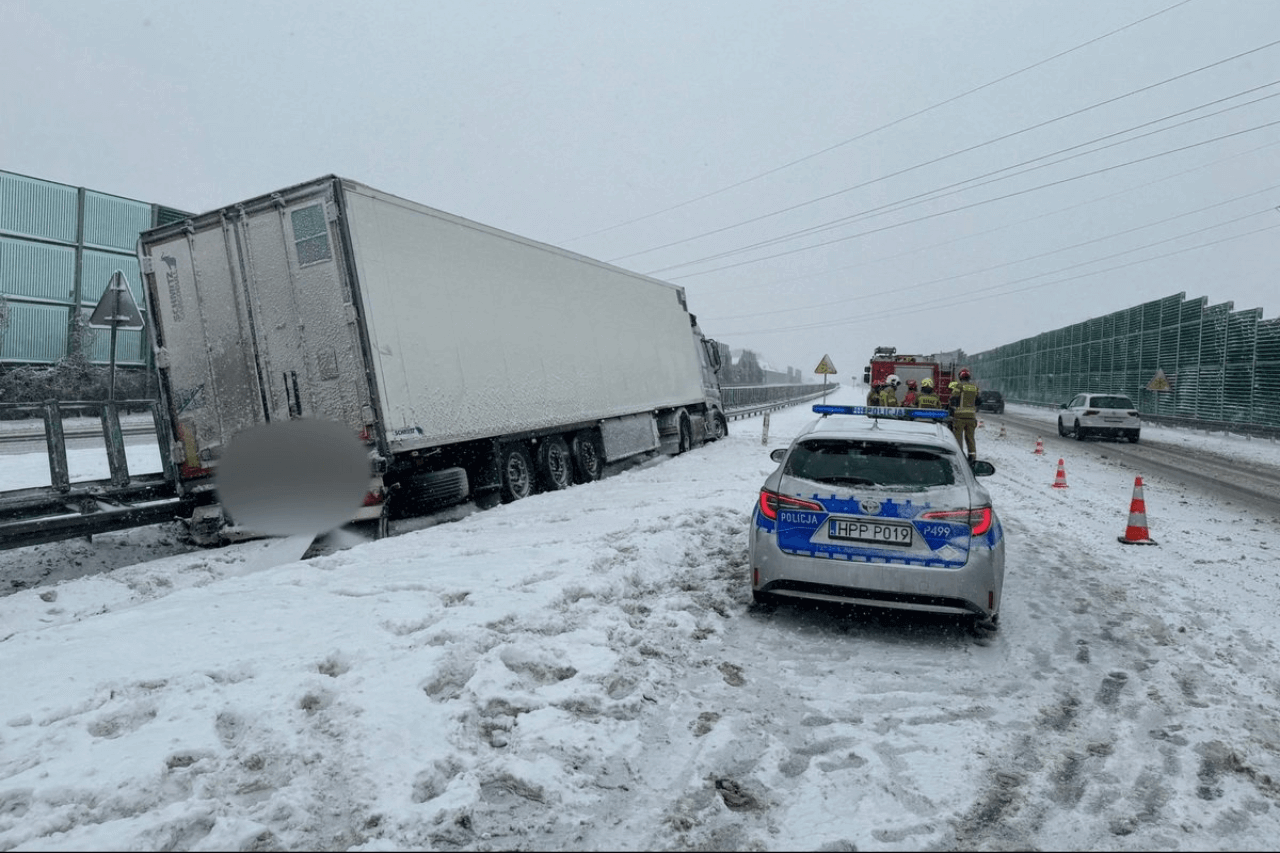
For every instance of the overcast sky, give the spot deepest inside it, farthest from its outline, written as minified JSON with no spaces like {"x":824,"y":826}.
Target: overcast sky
{"x":822,"y":177}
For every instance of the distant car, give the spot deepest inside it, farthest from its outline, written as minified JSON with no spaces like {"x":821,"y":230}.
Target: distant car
{"x":878,"y":512}
{"x":1111,"y":415}
{"x":991,"y":401}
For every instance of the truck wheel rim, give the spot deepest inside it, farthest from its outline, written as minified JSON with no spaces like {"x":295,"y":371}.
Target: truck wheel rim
{"x":518,"y":476}
{"x":589,"y":463}
{"x":557,"y":464}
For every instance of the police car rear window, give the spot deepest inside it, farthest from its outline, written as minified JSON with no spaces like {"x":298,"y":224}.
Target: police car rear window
{"x":843,"y":462}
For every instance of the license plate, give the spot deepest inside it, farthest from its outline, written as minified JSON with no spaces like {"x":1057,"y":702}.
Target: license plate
{"x":867,"y":530}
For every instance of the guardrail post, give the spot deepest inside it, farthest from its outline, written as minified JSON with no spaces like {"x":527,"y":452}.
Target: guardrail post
{"x":55,"y":439}
{"x":117,"y":461}
{"x":163,"y":438}
{"x":764,"y":436}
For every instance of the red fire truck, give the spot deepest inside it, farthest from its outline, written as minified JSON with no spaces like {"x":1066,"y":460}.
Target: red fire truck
{"x":886,"y":361}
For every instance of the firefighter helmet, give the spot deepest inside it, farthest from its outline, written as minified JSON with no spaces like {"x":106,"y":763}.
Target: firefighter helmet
{"x":964,"y":373}
{"x":894,"y":380}
{"x":911,"y":383}
{"x":926,"y":383}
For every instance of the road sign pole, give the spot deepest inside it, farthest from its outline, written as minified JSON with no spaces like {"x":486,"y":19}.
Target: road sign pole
{"x":826,"y":368}
{"x":116,"y":308}
{"x":115,"y":312}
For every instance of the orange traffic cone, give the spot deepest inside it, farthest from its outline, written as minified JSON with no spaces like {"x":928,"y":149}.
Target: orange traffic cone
{"x":1002,"y":432}
{"x":981,"y":425}
{"x":1060,"y":481}
{"x":1039,"y":451}
{"x":1136,"y":532}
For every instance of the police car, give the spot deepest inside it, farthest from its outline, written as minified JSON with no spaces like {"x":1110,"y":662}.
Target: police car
{"x":878,"y":507}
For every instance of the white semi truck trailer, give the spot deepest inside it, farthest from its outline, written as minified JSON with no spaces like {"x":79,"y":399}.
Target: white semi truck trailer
{"x":474,"y":364}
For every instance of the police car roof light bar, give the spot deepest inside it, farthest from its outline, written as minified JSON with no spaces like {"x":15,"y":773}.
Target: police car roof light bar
{"x":879,"y":411}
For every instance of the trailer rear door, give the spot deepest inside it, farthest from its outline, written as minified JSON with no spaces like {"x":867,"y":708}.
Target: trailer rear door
{"x":256,"y":321}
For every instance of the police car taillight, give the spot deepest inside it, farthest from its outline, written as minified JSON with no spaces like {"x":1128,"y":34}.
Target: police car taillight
{"x":978,"y":518}
{"x":772,"y":502}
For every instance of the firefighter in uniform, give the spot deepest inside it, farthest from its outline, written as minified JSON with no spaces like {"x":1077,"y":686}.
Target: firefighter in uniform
{"x":889,"y":396}
{"x":909,"y":401}
{"x":873,"y":396}
{"x":964,"y":413}
{"x":927,"y":399}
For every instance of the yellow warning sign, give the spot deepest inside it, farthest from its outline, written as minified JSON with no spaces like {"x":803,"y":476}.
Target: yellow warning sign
{"x":1159,"y":382}
{"x":825,"y":366}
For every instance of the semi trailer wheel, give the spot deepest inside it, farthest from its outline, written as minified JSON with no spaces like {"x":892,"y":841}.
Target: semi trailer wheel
{"x":555,"y":463}
{"x":588,"y":457}
{"x":517,"y":472}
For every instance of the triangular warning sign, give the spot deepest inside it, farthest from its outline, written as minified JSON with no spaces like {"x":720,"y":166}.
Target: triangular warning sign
{"x":825,"y":366}
{"x":116,"y":307}
{"x":1159,"y":382}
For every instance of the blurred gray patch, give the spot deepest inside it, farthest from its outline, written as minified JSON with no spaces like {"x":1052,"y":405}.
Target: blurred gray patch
{"x":293,"y":477}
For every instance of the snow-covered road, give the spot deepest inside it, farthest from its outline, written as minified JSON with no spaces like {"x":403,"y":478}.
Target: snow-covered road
{"x":583,"y":670}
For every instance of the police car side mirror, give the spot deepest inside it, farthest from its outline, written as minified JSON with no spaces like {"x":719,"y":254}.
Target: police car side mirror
{"x":777,"y":454}
{"x":983,"y":468}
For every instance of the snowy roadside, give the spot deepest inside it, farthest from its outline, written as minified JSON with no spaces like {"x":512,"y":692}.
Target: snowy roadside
{"x":582,"y":670}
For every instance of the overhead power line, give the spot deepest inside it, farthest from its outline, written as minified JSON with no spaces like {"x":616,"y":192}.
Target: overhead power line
{"x":875,"y":130}
{"x":968,"y":298}
{"x":776,"y":310}
{"x":948,"y":156}
{"x":1020,"y":222}
{"x":1093,"y":173}
{"x":987,"y":178}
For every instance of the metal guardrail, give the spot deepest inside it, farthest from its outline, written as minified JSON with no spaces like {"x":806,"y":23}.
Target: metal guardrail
{"x":744,"y":401}
{"x":1251,"y":430}
{"x":64,"y":508}
{"x":41,"y":514}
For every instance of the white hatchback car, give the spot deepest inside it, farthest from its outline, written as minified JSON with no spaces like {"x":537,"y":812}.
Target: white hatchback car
{"x":1099,"y":414}
{"x":878,"y":511}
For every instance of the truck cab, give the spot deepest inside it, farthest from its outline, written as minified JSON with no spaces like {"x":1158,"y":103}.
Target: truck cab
{"x":716,"y":424}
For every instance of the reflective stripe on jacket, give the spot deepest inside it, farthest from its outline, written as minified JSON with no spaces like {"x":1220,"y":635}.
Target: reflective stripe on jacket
{"x":965,"y":397}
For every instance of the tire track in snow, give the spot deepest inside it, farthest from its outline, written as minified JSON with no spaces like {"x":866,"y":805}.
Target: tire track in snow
{"x":1107,"y":758}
